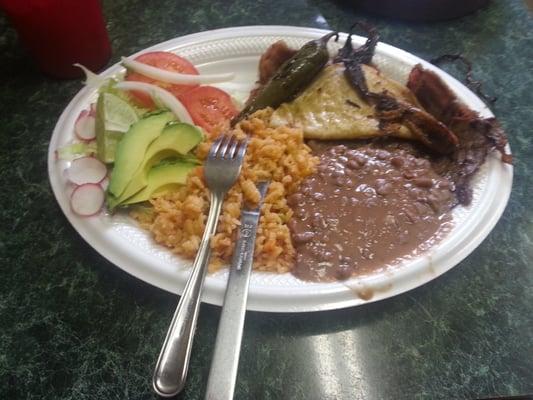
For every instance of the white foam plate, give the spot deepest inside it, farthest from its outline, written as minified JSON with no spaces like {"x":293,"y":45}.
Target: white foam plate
{"x":238,"y":50}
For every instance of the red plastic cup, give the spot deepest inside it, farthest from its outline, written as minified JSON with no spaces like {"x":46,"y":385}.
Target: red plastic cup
{"x":59,"y":33}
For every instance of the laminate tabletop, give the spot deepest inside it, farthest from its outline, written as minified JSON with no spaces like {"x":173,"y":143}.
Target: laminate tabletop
{"x":74,"y":326}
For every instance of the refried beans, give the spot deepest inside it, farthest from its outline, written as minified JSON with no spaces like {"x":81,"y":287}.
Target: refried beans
{"x":366,"y":208}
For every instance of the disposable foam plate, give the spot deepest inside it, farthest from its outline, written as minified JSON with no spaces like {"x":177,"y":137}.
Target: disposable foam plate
{"x":126,"y":245}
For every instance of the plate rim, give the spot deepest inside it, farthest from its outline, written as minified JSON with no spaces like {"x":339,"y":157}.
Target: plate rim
{"x":284,"y":302}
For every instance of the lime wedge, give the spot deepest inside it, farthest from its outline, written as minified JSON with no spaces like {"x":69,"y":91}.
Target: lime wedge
{"x":119,"y":115}
{"x":114,"y":116}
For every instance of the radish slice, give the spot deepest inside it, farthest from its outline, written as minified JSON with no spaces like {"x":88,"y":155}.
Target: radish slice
{"x":86,"y":170}
{"x":87,"y":200}
{"x":104,"y":183}
{"x":85,"y":126}
{"x":174,"y":77}
{"x":92,"y":110}
{"x":159,"y":95}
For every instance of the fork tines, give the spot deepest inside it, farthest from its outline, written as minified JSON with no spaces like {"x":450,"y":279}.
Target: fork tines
{"x":227,"y":147}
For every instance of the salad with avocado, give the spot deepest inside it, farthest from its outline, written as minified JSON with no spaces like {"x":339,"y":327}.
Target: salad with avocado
{"x":137,"y":141}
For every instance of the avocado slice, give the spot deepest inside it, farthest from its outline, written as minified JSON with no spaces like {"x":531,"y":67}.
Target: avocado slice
{"x":162,"y":179}
{"x":177,"y":139}
{"x":131,"y":150}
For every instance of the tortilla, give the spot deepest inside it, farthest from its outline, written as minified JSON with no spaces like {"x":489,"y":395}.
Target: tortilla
{"x":330,"y":108}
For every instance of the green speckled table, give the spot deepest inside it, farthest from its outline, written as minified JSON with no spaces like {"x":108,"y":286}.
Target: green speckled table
{"x":73,"y":326}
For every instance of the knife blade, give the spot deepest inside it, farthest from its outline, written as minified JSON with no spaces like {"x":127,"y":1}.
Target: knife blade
{"x":223,"y":372}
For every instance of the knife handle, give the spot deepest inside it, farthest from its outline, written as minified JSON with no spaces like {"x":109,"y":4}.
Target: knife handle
{"x":223,"y":372}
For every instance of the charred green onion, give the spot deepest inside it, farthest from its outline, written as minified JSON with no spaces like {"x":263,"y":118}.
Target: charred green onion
{"x":353,"y":58}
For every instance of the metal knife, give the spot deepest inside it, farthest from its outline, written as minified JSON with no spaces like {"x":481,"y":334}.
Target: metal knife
{"x":223,"y":372}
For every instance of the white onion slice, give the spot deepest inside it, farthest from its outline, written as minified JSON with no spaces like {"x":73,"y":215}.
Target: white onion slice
{"x":174,"y":77}
{"x":84,"y":127}
{"x":86,"y":170}
{"x":159,"y":95}
{"x":87,"y":200}
{"x":92,"y":80}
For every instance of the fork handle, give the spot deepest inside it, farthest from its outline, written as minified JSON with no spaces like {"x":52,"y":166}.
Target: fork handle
{"x":171,"y":368}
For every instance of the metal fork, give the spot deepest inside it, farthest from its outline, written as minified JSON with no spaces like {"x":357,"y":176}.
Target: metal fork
{"x":221,"y":170}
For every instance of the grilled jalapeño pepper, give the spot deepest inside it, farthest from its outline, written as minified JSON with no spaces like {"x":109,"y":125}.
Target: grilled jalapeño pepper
{"x":292,"y":77}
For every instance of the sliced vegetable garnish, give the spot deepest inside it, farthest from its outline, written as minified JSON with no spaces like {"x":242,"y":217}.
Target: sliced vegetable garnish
{"x":104,"y":183}
{"x":86,"y":170}
{"x":209,"y":107}
{"x":116,"y":113}
{"x":87,"y":199}
{"x":159,"y":95}
{"x":131,"y":149}
{"x":92,"y":80}
{"x":165,"y":61}
{"x":109,"y":88}
{"x":164,"y":75}
{"x":85,"y":126}
{"x":75,"y":150}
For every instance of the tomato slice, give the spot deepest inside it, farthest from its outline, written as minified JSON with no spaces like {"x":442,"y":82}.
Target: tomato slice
{"x":209,"y":107}
{"x":164,"y":60}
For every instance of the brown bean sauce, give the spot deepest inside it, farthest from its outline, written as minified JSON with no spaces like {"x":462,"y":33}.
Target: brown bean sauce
{"x":366,"y":208}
